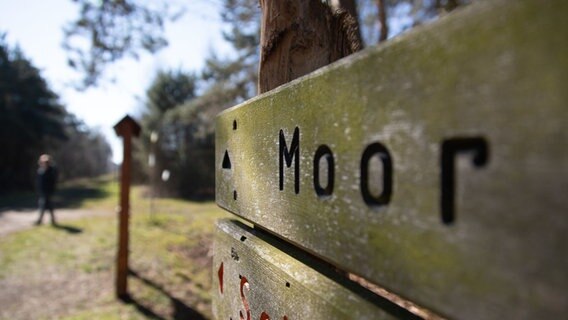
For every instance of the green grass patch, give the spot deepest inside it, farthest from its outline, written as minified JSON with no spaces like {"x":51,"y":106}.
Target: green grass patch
{"x":169,"y":257}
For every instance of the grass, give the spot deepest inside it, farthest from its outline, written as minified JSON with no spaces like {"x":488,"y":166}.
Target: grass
{"x":46,"y":273}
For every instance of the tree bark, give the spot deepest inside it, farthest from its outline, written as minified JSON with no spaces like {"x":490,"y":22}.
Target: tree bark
{"x":300,"y":36}
{"x":351,"y":7}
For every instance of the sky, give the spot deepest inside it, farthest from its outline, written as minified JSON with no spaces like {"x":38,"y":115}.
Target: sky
{"x":36,"y":26}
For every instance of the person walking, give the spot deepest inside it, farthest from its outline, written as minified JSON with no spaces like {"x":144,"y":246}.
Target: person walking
{"x":46,"y":182}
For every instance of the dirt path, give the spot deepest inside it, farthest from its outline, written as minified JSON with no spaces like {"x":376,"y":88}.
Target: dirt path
{"x":13,"y":221}
{"x":25,"y":297}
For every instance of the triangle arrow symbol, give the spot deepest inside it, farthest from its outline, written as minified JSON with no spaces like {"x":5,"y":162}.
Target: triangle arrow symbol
{"x":226,"y":161}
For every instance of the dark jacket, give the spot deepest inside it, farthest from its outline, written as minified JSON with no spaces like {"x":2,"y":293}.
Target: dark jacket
{"x":46,"y":180}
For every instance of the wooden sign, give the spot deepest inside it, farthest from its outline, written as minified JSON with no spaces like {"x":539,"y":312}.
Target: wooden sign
{"x":125,"y":128}
{"x":256,"y":277}
{"x":435,"y":166}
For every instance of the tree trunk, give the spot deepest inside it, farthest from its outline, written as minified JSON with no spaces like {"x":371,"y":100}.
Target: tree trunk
{"x":384,"y":32}
{"x":300,"y":36}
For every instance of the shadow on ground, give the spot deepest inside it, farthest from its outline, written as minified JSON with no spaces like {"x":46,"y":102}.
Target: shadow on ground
{"x":69,"y":195}
{"x":67,"y":228}
{"x":180,"y":309}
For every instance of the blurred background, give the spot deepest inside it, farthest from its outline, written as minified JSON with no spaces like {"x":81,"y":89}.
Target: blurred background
{"x":69,"y":70}
{"x":73,"y":68}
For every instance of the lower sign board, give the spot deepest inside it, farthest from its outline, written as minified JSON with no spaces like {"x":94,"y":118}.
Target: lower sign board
{"x":259,"y":278}
{"x":435,"y":166}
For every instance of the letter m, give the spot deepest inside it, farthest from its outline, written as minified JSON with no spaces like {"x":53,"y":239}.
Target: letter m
{"x":289,"y":155}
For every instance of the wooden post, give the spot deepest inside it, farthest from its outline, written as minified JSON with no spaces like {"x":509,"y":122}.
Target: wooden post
{"x":298,"y":37}
{"x":125,"y":128}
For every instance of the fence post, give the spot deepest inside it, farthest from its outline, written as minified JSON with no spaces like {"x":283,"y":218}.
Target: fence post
{"x":125,"y":128}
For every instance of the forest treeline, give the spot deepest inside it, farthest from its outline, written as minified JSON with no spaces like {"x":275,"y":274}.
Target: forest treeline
{"x":33,"y":121}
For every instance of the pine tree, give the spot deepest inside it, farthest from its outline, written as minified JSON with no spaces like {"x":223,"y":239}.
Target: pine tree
{"x":33,"y":121}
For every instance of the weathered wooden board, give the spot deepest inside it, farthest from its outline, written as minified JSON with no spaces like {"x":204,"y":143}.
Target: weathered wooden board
{"x":484,"y":91}
{"x":256,"y":277}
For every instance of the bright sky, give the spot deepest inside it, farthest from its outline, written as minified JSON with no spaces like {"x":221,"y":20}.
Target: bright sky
{"x":36,"y":26}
